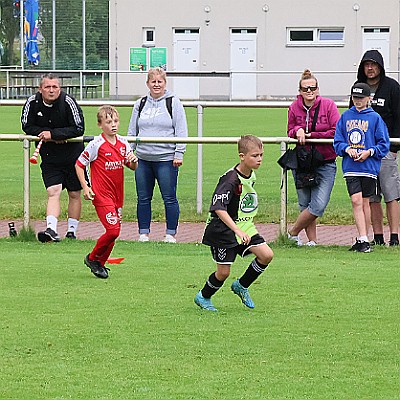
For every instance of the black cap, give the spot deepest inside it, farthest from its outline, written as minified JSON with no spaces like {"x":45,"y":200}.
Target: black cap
{"x":360,"y":90}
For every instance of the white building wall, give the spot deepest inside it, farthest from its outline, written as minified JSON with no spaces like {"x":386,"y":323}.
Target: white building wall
{"x":279,"y":66}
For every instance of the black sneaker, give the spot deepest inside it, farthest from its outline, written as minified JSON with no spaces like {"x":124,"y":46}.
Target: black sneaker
{"x":361,"y":247}
{"x":375,"y":242}
{"x":48,"y":236}
{"x":70,"y":235}
{"x":96,"y":268}
{"x":393,"y":242}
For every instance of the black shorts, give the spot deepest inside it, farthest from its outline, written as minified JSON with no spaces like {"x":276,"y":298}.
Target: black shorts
{"x":228,"y":255}
{"x":64,"y":175}
{"x":356,"y":184}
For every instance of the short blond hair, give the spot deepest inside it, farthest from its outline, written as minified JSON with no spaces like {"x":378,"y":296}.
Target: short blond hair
{"x":105,"y":110}
{"x":246,"y":142}
{"x":154,"y":72}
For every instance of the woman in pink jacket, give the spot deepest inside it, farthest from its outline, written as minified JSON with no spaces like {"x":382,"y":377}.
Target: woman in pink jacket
{"x":311,"y":116}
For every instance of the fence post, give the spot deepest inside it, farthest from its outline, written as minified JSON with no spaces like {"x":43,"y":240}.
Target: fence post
{"x":27,"y":145}
{"x":283,"y":218}
{"x":199,"y":198}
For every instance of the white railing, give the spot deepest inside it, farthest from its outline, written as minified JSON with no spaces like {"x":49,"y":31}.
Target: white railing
{"x":282,"y":141}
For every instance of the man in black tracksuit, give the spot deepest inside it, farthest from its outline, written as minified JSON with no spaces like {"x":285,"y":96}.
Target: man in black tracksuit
{"x":54,"y":116}
{"x":385,"y":93}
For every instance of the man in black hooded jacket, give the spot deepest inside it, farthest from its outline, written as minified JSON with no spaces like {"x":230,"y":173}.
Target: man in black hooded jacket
{"x":54,"y":116}
{"x":385,"y":93}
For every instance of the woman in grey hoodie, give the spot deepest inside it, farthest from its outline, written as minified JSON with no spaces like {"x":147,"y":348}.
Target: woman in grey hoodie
{"x":159,"y":114}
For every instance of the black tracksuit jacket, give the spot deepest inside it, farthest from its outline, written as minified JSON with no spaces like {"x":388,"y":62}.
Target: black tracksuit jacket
{"x":64,"y":119}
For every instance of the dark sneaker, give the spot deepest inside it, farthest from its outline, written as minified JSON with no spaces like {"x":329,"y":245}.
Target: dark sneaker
{"x":70,"y":235}
{"x":377,"y":243}
{"x":394,"y":242}
{"x":361,"y":247}
{"x":48,"y":236}
{"x":96,"y":268}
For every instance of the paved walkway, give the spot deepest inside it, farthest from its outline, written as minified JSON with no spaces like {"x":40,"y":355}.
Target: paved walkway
{"x":192,"y":232}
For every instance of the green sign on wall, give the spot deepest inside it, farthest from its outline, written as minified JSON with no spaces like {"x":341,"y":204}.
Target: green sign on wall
{"x":158,"y":57}
{"x":137,"y":59}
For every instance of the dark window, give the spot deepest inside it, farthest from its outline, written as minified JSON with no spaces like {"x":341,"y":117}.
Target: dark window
{"x":301,"y":36}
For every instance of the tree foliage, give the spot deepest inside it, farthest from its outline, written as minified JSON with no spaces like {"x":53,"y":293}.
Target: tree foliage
{"x":68,"y":33}
{"x":9,"y":30}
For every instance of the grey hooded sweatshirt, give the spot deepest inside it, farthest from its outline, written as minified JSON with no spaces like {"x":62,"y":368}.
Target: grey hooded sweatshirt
{"x":155,"y":121}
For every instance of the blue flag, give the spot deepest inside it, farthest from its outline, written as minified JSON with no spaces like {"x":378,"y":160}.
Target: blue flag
{"x":31,"y":28}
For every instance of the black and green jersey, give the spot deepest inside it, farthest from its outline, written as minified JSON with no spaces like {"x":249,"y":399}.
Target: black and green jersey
{"x":235,"y":194}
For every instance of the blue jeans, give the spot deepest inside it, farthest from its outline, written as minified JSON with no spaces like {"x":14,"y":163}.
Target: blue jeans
{"x":316,"y":198}
{"x":166,"y":175}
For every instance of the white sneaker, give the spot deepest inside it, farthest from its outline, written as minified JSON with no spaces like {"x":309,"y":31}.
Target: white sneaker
{"x":311,"y":243}
{"x":295,"y":239}
{"x":169,"y":239}
{"x":143,"y":238}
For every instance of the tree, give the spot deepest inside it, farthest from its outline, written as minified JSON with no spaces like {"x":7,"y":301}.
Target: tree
{"x":9,"y":30}
{"x":69,"y":42}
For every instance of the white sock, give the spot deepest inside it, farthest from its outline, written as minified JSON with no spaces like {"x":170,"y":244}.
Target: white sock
{"x":72,"y":225}
{"x":363,"y":238}
{"x":51,"y":221}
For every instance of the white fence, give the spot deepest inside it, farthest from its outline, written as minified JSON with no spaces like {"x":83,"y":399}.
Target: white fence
{"x":199,"y":140}
{"x":282,"y":141}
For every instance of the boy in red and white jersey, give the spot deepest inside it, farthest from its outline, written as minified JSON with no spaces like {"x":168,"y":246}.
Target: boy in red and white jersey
{"x":106,"y":156}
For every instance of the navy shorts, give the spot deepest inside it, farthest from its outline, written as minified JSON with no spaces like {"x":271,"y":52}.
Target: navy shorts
{"x":64,"y":175}
{"x":223,"y":255}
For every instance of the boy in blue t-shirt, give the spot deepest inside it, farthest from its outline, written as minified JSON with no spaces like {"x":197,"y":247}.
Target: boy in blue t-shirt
{"x":230,"y":228}
{"x":362,"y":139}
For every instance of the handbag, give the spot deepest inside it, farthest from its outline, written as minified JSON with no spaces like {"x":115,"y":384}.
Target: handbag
{"x":288,"y":160}
{"x":304,"y":179}
{"x":308,"y":160}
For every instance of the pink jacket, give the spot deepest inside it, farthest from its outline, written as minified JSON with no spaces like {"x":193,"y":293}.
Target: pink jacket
{"x":328,"y":117}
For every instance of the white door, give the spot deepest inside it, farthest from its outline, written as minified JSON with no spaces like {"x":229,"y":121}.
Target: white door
{"x":186,"y":59}
{"x":243,"y":64}
{"x":378,"y":39}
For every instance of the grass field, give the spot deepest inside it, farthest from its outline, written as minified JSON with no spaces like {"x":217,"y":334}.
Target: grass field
{"x":217,"y":122}
{"x":325,"y":326}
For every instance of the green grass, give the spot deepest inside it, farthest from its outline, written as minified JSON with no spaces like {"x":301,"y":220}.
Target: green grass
{"x":217,"y":158}
{"x":320,"y":330}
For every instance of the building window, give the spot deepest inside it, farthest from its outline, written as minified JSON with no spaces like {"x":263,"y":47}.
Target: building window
{"x":149,"y":37}
{"x":186,"y":31}
{"x":315,"y":37}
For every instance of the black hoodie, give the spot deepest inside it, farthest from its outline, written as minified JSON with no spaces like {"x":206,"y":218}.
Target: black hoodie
{"x":386,"y":101}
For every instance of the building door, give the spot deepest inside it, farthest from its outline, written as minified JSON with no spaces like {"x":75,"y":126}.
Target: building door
{"x":243,"y":64}
{"x":378,"y":39}
{"x":186,"y":59}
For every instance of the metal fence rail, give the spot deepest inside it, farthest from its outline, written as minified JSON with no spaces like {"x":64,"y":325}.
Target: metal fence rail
{"x":282,"y":141}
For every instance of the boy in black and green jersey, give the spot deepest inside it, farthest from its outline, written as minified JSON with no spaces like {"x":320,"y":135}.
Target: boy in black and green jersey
{"x":230,"y":229}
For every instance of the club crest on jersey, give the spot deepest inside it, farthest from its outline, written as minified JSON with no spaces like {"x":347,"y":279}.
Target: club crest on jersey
{"x":249,"y":203}
{"x":122,"y":150}
{"x":111,"y":218}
